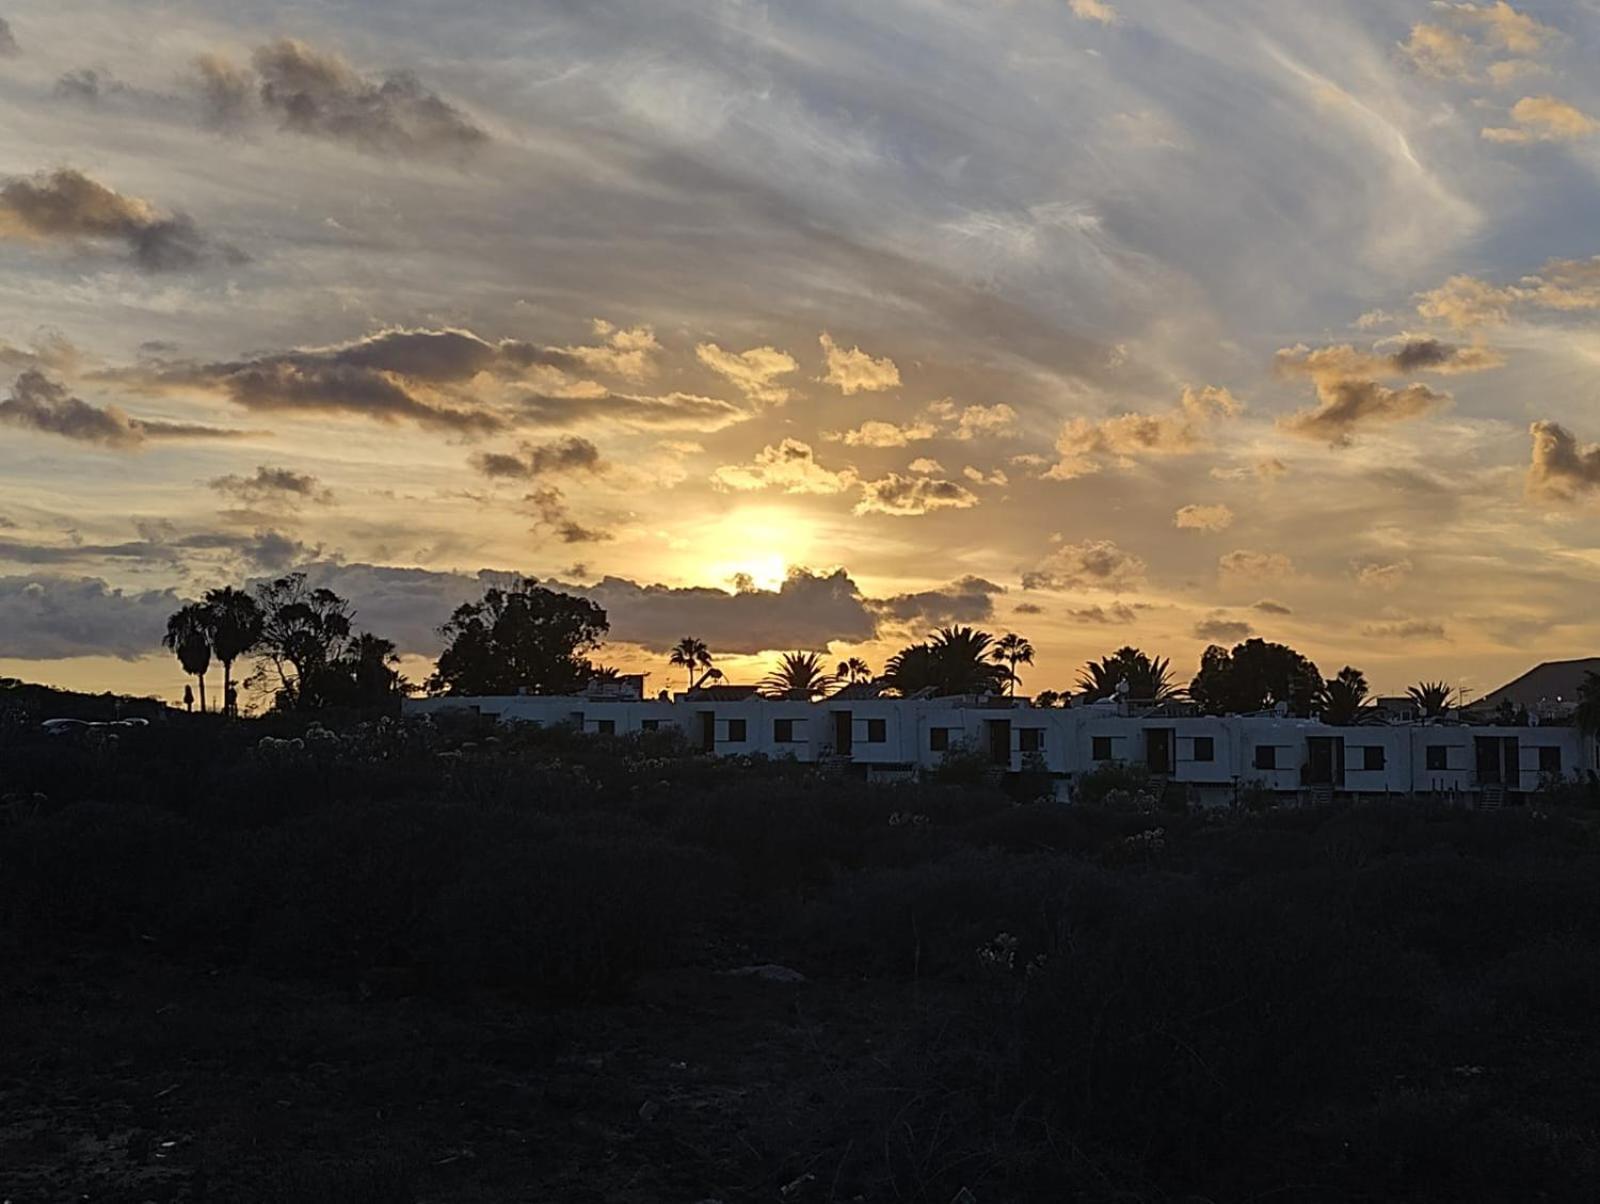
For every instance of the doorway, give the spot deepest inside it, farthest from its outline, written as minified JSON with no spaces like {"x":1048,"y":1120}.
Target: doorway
{"x":1325,"y":761}
{"x":708,"y":731}
{"x":1158,"y":749}
{"x":844,"y":733}
{"x":1000,"y":742}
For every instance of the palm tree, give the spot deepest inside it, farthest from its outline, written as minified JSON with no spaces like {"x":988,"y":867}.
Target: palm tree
{"x":189,"y":636}
{"x":1048,"y":698}
{"x":1344,"y":698}
{"x":954,"y":661}
{"x":234,"y":625}
{"x":691,"y":655}
{"x":1012,"y":650}
{"x":853,"y":670}
{"x":1433,"y":698}
{"x":798,"y":675}
{"x":1149,"y":678}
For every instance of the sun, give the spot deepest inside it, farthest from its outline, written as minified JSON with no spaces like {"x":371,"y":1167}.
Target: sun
{"x":758,"y":544}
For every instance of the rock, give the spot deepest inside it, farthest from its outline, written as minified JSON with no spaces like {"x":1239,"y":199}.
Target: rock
{"x":768,"y":973}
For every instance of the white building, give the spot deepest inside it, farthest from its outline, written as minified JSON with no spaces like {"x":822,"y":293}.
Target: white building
{"x":1209,"y":758}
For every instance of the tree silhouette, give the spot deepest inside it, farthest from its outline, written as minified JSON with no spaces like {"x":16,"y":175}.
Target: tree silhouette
{"x":954,"y":661}
{"x":526,"y":639}
{"x":235,"y":623}
{"x":1344,"y":698}
{"x":853,"y":670}
{"x":1149,"y":678}
{"x":303,"y":632}
{"x":798,"y":675}
{"x":189,"y":637}
{"x":1012,"y":650}
{"x":1254,"y":676}
{"x":1432,"y":698}
{"x":1587,"y":716}
{"x":692,"y":656}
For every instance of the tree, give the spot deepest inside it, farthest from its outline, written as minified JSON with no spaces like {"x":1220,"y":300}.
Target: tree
{"x":798,"y":675}
{"x":691,"y":655}
{"x":1012,"y":650}
{"x":1049,"y":698}
{"x":1149,"y":678}
{"x":1587,"y":716}
{"x":526,"y":639}
{"x":364,"y":674}
{"x":1344,"y":698}
{"x":853,"y":670}
{"x":303,"y":632}
{"x":235,"y":622}
{"x":955,"y":660}
{"x":1432,"y":698}
{"x":1255,"y":676}
{"x":189,"y":637}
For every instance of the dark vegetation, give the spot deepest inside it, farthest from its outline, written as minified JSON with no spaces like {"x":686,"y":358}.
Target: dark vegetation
{"x":447,"y":963}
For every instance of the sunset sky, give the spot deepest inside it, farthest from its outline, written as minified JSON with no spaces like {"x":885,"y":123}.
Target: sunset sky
{"x":809,"y":324}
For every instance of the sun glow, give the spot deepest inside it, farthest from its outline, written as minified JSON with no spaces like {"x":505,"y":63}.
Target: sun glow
{"x":755,"y":547}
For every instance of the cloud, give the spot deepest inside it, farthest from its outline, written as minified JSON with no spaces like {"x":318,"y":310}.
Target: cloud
{"x":1115,"y":613}
{"x":159,"y":543}
{"x":1561,"y":468}
{"x":907,"y":496}
{"x":755,"y":372}
{"x":51,"y":618}
{"x":1243,"y":563}
{"x":983,"y":422}
{"x":926,"y":466}
{"x":629,"y":353}
{"x":8,"y":42}
{"x":1563,"y":285}
{"x":670,"y":411}
{"x":1027,"y":608}
{"x":1406,"y":629}
{"x":1203,"y":518}
{"x":968,"y":600}
{"x":1184,"y":430}
{"x":1220,"y":630}
{"x":1094,"y":10}
{"x":1267,"y":469}
{"x":550,"y":508}
{"x":68,"y":205}
{"x":1543,"y":119}
{"x":318,"y":94}
{"x":854,"y":371}
{"x":1346,"y":407}
{"x":1470,"y":32}
{"x":273,"y":485}
{"x":1402,"y":356}
{"x":1268,"y":607}
{"x":1504,"y":26}
{"x":1441,"y":52}
{"x":874,"y":433}
{"x":791,"y":466}
{"x":1382,"y":574}
{"x":571,"y":454}
{"x":941,"y":418}
{"x":1091,"y":564}
{"x":42,"y":404}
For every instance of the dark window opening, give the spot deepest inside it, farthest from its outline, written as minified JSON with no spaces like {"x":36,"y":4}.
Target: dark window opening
{"x":1438,"y":756}
{"x":735,"y":731}
{"x":877,"y":731}
{"x":1102,"y":748}
{"x":1550,"y":759}
{"x":1266,"y":756}
{"x":649,"y":725}
{"x":783,"y":731}
{"x":938,"y":739}
{"x":1372,"y":757}
{"x":1205,"y":748}
{"x":606,"y":727}
{"x":1032,"y":739}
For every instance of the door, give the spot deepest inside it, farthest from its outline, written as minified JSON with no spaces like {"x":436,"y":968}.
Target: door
{"x":708,"y":731}
{"x":1000,"y":742}
{"x":1511,"y":763}
{"x":844,"y":733}
{"x":1486,"y":751}
{"x":1325,"y":761}
{"x":1158,"y":746}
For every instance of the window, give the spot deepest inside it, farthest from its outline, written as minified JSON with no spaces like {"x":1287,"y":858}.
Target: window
{"x":938,"y":739}
{"x":1550,"y":759}
{"x":783,"y":731}
{"x":1205,"y":748}
{"x":1372,"y":757}
{"x":1101,"y":750}
{"x":606,"y":727}
{"x":1438,"y":757}
{"x":649,"y":725}
{"x":1266,"y":756}
{"x":1032,"y":739}
{"x":735,"y":731}
{"x":877,"y":731}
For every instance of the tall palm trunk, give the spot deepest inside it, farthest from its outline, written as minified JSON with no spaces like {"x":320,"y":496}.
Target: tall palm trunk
{"x":201,"y":678}
{"x":227,"y":684}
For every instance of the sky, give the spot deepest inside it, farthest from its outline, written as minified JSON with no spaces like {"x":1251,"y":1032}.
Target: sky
{"x":808,"y":325}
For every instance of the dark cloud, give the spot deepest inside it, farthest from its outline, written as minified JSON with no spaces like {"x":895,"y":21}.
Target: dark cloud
{"x":550,"y":505}
{"x":67,"y":204}
{"x":675,"y":411}
{"x":1561,"y":468}
{"x":1092,"y":564}
{"x":159,"y":543}
{"x":1268,"y":607}
{"x":1346,"y":407}
{"x":8,"y":41}
{"x":318,"y":94}
{"x":571,"y":454}
{"x":42,"y":404}
{"x":1027,"y":608}
{"x":273,"y":485}
{"x":1218,"y":630}
{"x":968,"y":600}
{"x":83,"y":85}
{"x":49,"y":618}
{"x":913,"y":495}
{"x":1118,"y":613}
{"x":1405,"y":629}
